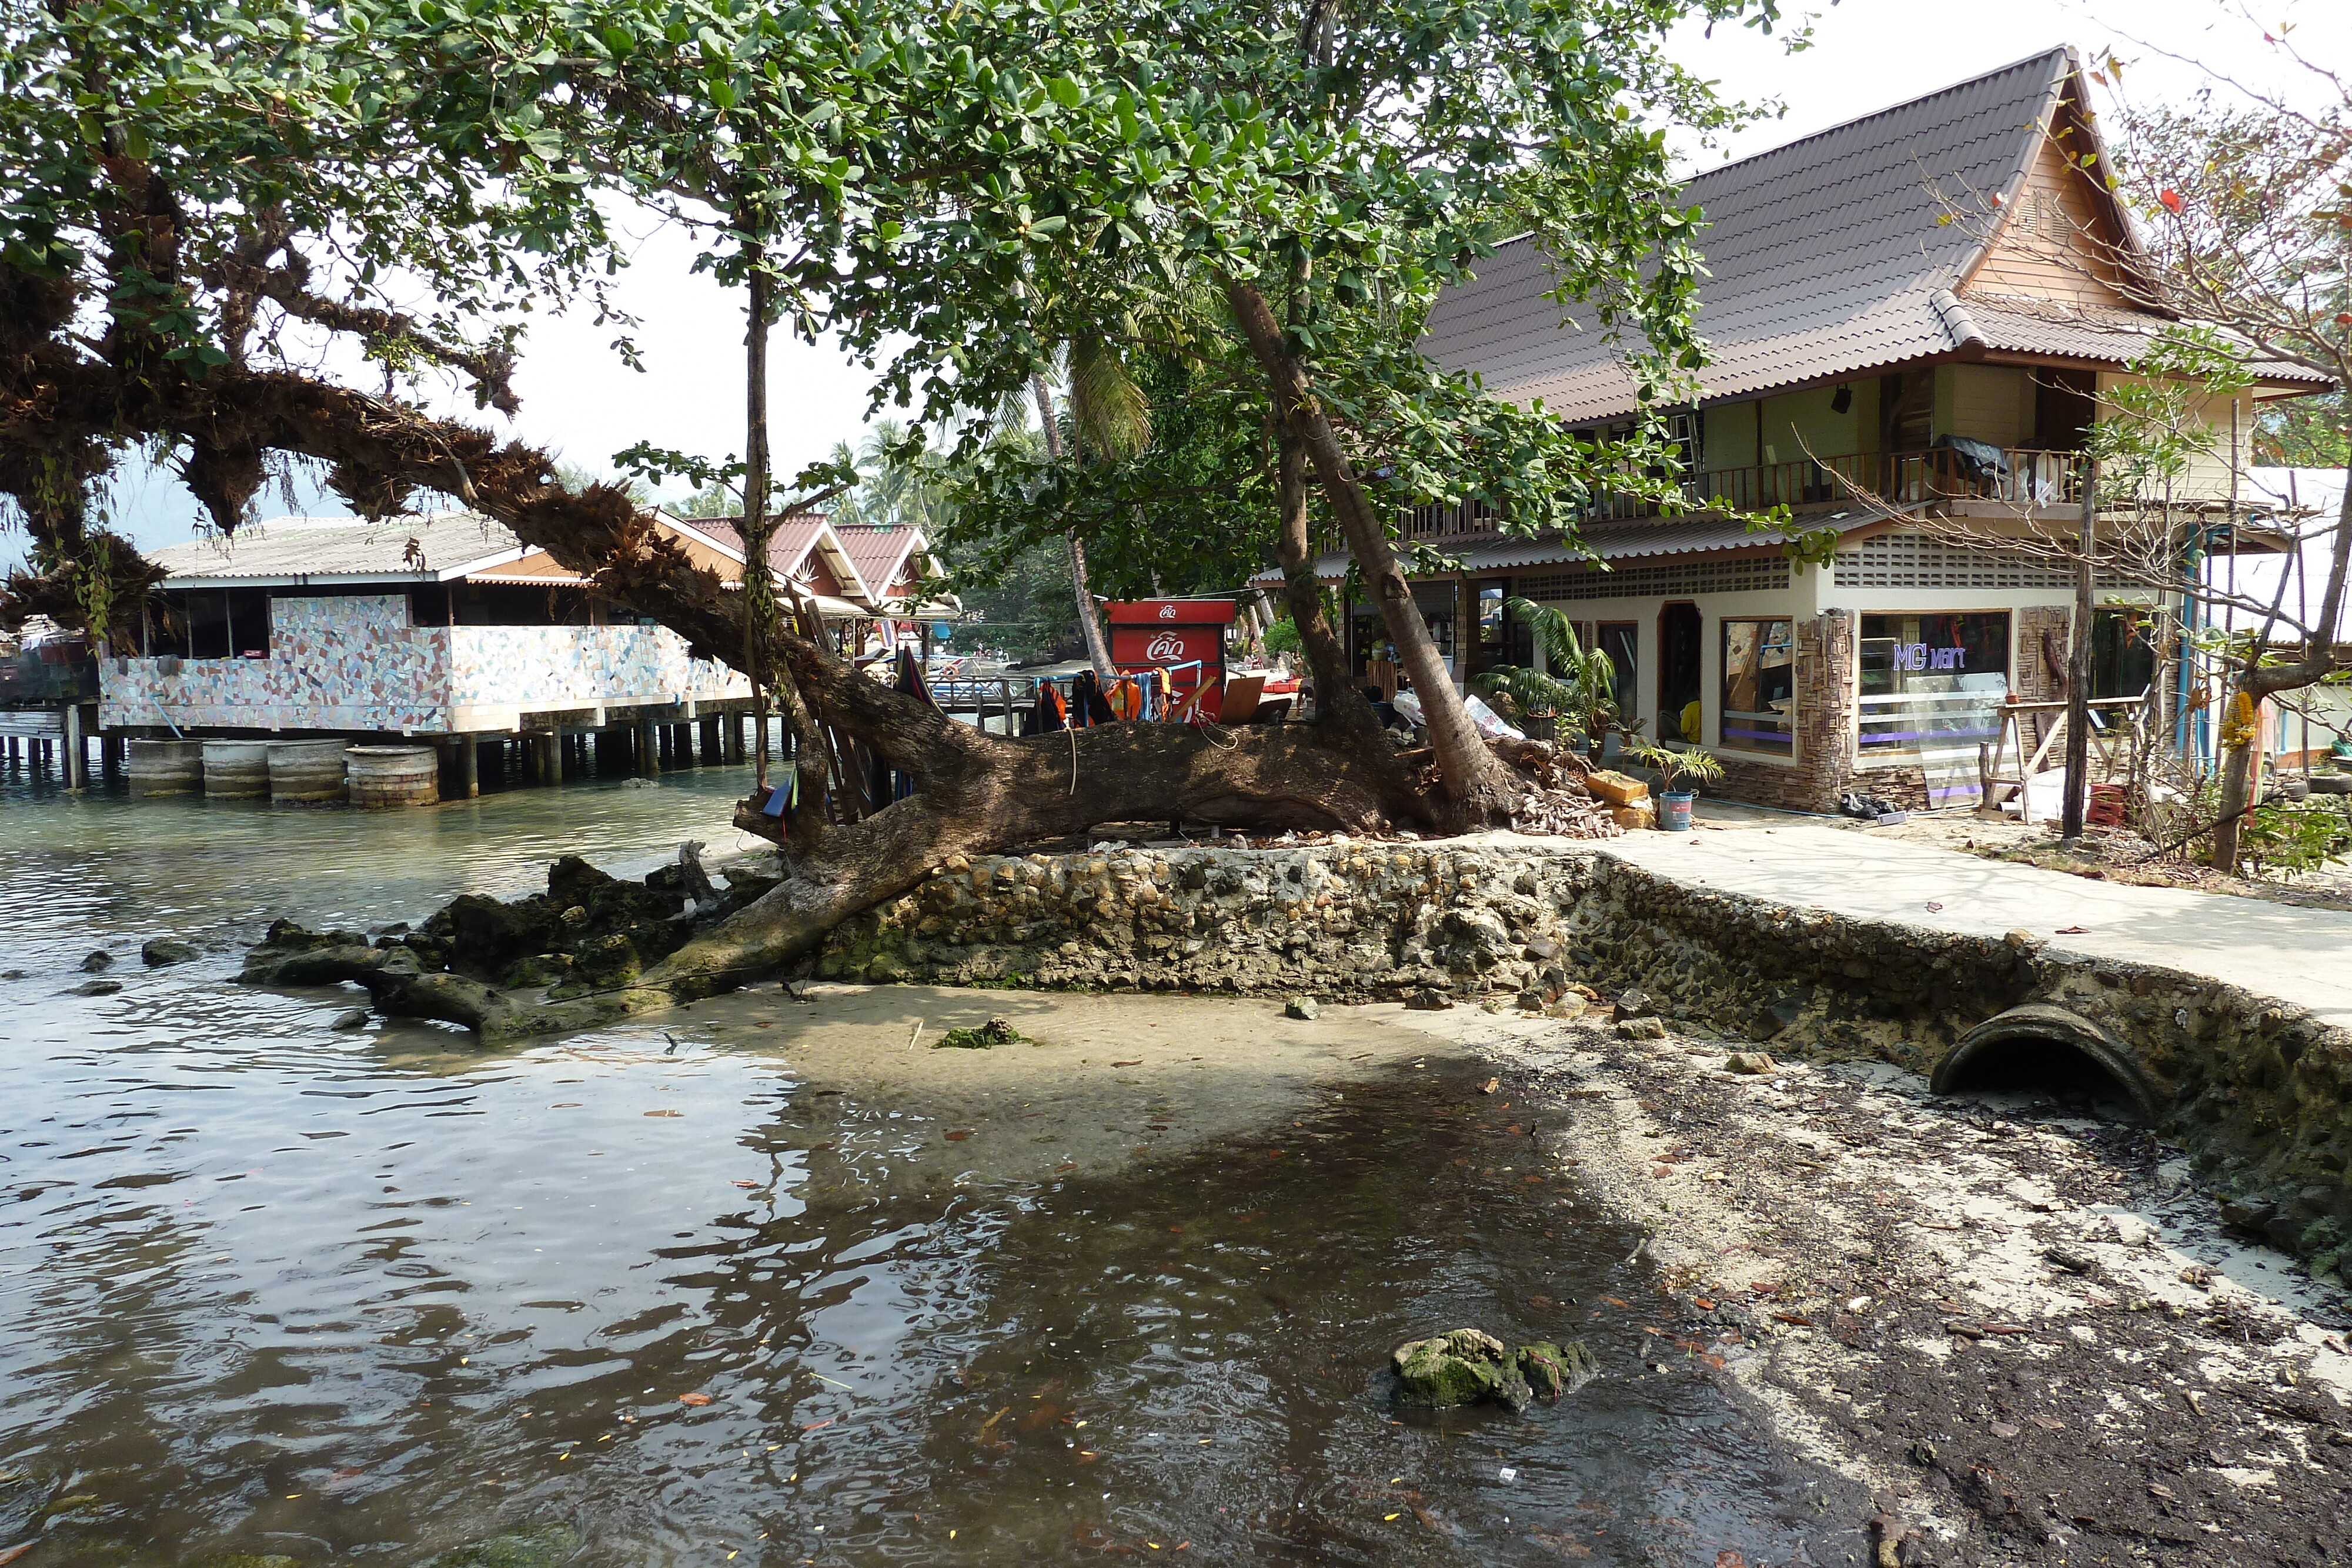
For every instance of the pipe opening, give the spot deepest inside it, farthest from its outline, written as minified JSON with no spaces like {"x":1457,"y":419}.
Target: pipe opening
{"x":2037,"y":1057}
{"x":2039,"y":1073}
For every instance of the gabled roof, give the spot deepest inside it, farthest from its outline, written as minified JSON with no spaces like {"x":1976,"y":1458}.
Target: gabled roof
{"x":797,"y":538}
{"x":1825,"y":259}
{"x":882,"y":551}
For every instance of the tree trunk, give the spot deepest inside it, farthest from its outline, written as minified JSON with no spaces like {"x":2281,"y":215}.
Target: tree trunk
{"x":982,"y":793}
{"x":2257,"y":682}
{"x":2078,"y":677}
{"x":759,"y":591}
{"x":1480,"y":788}
{"x":1338,"y":703}
{"x":1089,"y":625}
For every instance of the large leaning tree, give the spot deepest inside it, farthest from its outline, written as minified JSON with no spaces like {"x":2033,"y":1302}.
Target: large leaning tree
{"x":235,"y":237}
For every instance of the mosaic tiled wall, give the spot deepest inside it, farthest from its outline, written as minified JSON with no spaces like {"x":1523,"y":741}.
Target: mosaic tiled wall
{"x":355,"y":664}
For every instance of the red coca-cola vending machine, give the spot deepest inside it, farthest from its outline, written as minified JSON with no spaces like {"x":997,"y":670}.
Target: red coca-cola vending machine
{"x":1185,"y":637}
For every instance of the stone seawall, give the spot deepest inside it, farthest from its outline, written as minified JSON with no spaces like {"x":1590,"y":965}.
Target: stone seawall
{"x":2260,"y":1091}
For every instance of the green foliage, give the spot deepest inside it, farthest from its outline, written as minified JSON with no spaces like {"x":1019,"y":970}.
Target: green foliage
{"x":1579,"y":684}
{"x":2304,"y":433}
{"x":2153,"y":428}
{"x":1673,"y":763}
{"x":1283,"y":636}
{"x":2290,"y":837}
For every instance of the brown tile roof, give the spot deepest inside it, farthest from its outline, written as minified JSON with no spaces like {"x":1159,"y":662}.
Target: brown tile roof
{"x":880,"y":550}
{"x":1824,"y":255}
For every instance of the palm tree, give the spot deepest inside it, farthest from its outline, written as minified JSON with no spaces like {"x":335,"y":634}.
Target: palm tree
{"x":1578,"y":683}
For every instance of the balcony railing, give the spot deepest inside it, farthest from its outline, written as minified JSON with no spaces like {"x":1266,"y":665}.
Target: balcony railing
{"x":2018,"y":476}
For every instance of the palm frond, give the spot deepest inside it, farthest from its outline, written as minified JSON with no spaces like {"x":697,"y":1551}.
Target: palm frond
{"x":1108,"y":406}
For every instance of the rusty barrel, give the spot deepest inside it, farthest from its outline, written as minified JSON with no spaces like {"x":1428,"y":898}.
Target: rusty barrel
{"x":386,"y":776}
{"x":306,"y":770}
{"x":236,"y":769}
{"x":166,"y":767}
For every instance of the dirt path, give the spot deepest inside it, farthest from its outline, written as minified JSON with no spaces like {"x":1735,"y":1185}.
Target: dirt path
{"x":2022,"y":1330}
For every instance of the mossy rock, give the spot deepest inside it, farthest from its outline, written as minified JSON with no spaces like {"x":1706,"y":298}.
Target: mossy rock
{"x":541,"y":1548}
{"x":1552,"y":1370}
{"x":1463,"y":1367}
{"x":995,"y":1032}
{"x":248,"y":1559}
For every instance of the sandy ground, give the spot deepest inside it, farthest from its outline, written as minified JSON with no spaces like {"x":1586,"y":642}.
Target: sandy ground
{"x":2021,"y":1329}
{"x":1096,"y":1082}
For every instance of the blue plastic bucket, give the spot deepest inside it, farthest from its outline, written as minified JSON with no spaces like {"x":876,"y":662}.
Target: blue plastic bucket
{"x":1674,"y":813}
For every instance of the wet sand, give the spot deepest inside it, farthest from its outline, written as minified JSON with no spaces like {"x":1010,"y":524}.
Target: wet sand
{"x":1096,"y":1084}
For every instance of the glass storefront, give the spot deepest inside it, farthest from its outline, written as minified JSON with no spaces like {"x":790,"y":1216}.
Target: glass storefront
{"x":1932,"y":685}
{"x":1760,"y":687}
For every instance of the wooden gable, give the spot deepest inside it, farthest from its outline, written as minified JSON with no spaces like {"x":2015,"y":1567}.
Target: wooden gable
{"x":2061,"y":237}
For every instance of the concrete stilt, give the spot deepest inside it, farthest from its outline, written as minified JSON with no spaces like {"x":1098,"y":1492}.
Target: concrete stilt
{"x":469,"y":767}
{"x":649,"y":751}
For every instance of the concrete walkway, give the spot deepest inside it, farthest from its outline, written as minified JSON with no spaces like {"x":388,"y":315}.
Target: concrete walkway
{"x":2299,"y":955}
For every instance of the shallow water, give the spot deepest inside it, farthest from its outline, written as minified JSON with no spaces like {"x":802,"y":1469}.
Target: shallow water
{"x":365,"y":1298}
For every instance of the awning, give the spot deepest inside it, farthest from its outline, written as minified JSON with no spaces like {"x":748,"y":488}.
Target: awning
{"x":1608,"y":541}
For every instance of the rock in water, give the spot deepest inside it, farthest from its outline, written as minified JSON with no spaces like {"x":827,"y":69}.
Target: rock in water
{"x":1458,"y":1368}
{"x":1302,"y":1007}
{"x":1552,"y":1370}
{"x":351,"y":1018}
{"x":96,"y":989}
{"x":541,"y":1548}
{"x":97,"y":962}
{"x":162,"y":950}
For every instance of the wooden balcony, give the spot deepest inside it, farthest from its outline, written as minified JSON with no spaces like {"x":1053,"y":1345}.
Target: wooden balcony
{"x":2023,"y":477}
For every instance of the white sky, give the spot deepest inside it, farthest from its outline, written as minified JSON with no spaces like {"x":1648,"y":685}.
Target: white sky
{"x":581,"y":401}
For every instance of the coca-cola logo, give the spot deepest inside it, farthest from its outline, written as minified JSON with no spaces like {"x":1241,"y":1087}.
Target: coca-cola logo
{"x":1167,"y":612}
{"x":1167,"y":645}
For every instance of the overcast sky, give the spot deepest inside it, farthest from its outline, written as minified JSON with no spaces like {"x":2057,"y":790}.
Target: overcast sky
{"x":578,"y":398}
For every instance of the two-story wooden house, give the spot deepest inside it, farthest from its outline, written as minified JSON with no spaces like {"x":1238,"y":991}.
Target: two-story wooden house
{"x":1922,"y":305}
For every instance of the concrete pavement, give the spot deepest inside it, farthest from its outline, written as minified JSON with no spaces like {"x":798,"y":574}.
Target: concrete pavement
{"x":2298,"y":955}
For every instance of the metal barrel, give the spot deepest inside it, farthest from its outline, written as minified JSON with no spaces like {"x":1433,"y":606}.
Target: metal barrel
{"x":386,"y":776}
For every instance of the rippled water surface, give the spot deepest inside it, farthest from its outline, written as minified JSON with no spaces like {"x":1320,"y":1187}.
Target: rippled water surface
{"x":646,"y":1297}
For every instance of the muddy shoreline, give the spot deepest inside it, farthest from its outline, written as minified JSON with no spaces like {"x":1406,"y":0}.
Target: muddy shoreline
{"x":2012,"y":1325}
{"x":2018,"y":1329}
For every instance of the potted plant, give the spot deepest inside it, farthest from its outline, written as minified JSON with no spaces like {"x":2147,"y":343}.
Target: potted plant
{"x":1674,"y":804}
{"x":1577,"y":687}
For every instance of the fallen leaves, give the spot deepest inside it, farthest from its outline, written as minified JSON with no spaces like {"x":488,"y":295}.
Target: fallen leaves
{"x":2072,"y":930}
{"x":959,"y":1135}
{"x":739,"y":1181}
{"x":665,"y":1113}
{"x":12,"y":1552}
{"x":1490,"y":1086}
{"x":696,"y":1399}
{"x":1136,"y":1062}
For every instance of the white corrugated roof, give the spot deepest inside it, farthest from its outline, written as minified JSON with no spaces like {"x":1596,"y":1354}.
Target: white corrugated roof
{"x":435,"y":547}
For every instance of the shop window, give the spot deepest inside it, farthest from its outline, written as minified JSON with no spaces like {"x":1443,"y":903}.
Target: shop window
{"x":429,"y":606}
{"x":1760,"y":686}
{"x":1620,"y":640}
{"x":1490,"y":621}
{"x":2123,"y":652}
{"x":1679,"y":657}
{"x":1932,"y":682}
